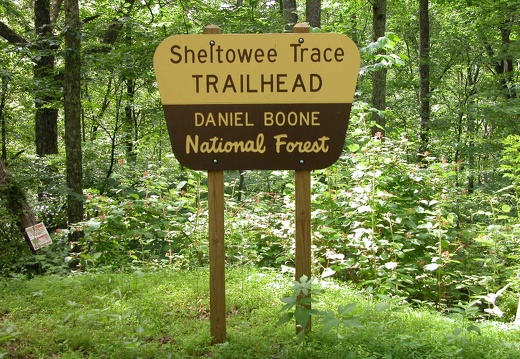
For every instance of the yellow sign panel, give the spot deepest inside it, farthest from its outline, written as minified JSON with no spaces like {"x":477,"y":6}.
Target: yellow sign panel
{"x":257,"y":69}
{"x":264,"y":101}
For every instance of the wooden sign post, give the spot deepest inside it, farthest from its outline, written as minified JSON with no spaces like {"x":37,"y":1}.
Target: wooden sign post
{"x":302,"y":188}
{"x":217,"y":256}
{"x":257,"y":101}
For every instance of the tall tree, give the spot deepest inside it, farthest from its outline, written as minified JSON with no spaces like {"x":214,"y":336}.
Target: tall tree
{"x":379,"y":77}
{"x":72,"y":107}
{"x":313,"y":12}
{"x":289,"y":13}
{"x":3,"y":97}
{"x":130,"y":119}
{"x":505,"y":59}
{"x":46,"y":95}
{"x":424,"y":77}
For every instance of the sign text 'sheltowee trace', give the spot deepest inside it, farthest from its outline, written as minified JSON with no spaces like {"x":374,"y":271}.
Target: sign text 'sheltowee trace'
{"x":263,"y":101}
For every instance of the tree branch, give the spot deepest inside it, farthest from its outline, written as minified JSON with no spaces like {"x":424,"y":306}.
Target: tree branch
{"x":115,"y":27}
{"x":10,"y":35}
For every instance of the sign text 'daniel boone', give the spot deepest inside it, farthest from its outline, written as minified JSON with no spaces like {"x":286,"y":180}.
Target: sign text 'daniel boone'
{"x":269,"y":101}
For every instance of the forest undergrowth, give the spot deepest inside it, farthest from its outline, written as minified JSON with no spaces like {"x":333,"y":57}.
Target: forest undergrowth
{"x":164,"y":313}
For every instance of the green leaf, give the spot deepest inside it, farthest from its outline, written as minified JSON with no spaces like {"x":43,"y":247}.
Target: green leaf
{"x":285,"y":318}
{"x":354,"y":147}
{"x":305,"y":301}
{"x":289,"y":299}
{"x":431,"y":267}
{"x":353,"y":323}
{"x":67,"y":317}
{"x":506,"y":208}
{"x":363,"y":209}
{"x":457,"y":331}
{"x":329,"y":322}
{"x":390,"y":265}
{"x":181,"y":185}
{"x":315,"y":312}
{"x":474,"y":328}
{"x":380,"y":307}
{"x":302,"y":316}
{"x":346,"y":309}
{"x":327,"y":272}
{"x":287,"y":307}
{"x":139,"y":330}
{"x":304,"y":279}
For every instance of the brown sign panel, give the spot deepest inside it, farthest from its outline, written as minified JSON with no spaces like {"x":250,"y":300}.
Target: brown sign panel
{"x":257,"y":136}
{"x":273,"y":101}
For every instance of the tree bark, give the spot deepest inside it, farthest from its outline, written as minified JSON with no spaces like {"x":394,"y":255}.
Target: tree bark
{"x":471,"y":81}
{"x":72,"y":107}
{"x":507,"y":63}
{"x":129,"y":122}
{"x":3,"y":130}
{"x":313,"y":12}
{"x":113,"y":31}
{"x":289,"y":13}
{"x":424,"y":79}
{"x":46,"y":92}
{"x":241,"y":182}
{"x":7,"y":33}
{"x":379,"y":77}
{"x":55,"y":10}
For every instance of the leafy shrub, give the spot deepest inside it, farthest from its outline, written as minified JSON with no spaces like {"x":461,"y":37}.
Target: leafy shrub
{"x":12,"y":245}
{"x":389,"y":225}
{"x":150,"y":221}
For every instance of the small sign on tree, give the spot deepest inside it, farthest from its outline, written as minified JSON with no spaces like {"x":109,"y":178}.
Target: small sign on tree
{"x":38,"y":236}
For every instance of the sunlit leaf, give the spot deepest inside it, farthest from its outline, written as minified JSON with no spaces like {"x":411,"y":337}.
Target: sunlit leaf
{"x":431,"y":267}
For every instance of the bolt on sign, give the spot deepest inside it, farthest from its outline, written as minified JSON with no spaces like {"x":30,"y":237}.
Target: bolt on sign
{"x":257,"y":101}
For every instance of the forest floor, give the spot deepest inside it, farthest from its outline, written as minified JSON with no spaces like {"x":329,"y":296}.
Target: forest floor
{"x":165,"y":314}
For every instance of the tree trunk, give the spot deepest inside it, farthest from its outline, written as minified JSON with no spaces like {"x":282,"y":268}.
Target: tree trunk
{"x":424,"y":79}
{"x":55,"y":10}
{"x":471,"y":81}
{"x":72,"y":107}
{"x":112,"y":33}
{"x":507,"y":63}
{"x":129,"y":125}
{"x":241,"y":181}
{"x":129,"y":120}
{"x":379,"y":77}
{"x":3,"y":130}
{"x":289,"y":13}
{"x":313,"y":12}
{"x":46,"y":92}
{"x":16,"y":202}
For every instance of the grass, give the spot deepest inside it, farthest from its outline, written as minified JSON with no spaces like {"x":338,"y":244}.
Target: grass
{"x":165,"y":314}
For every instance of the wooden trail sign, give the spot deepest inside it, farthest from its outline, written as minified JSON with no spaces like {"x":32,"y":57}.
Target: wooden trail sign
{"x":258,"y":101}
{"x":269,"y":101}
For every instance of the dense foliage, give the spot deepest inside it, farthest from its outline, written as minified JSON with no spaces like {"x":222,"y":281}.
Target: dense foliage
{"x":445,"y":232}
